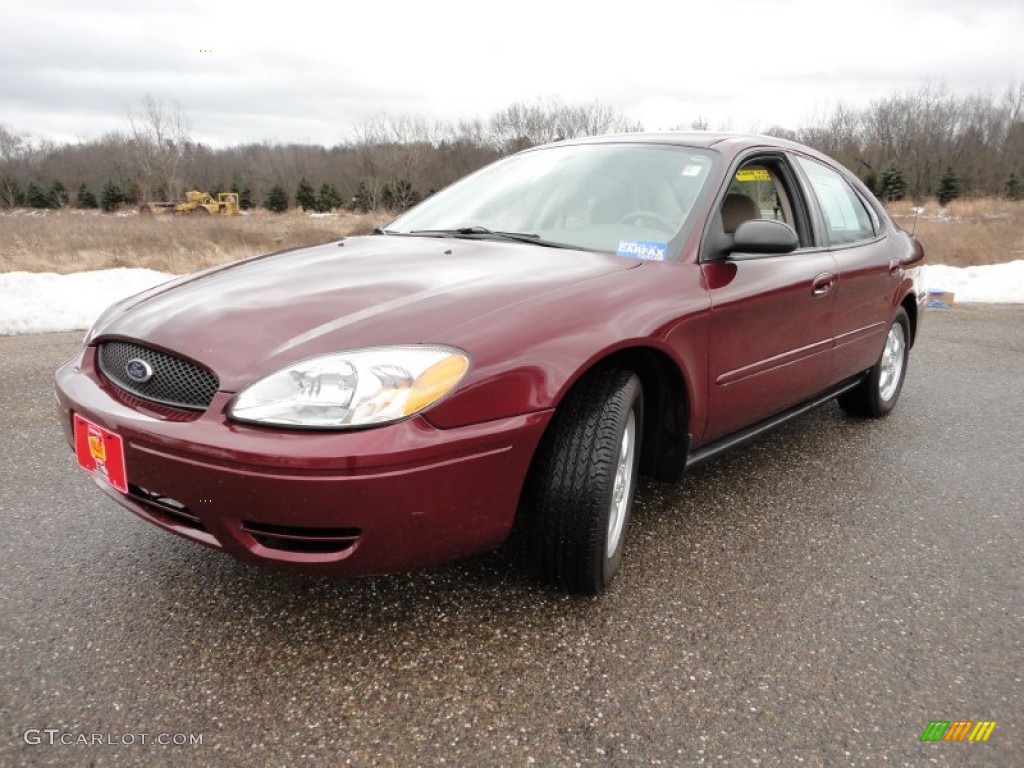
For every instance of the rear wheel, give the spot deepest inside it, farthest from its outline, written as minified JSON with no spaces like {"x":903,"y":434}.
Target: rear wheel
{"x":877,"y":394}
{"x":582,"y":484}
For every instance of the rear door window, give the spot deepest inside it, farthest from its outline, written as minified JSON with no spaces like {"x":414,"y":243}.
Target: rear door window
{"x":846,"y":217}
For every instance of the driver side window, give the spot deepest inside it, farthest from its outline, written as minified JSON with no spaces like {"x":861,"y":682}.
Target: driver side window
{"x":756,"y":191}
{"x":761,"y":189}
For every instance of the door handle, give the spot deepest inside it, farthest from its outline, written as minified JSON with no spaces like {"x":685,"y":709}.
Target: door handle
{"x":894,"y":267}
{"x":822,"y":284}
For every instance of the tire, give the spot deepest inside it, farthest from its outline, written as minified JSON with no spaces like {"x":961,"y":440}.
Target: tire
{"x":877,"y":394}
{"x":583,"y":480}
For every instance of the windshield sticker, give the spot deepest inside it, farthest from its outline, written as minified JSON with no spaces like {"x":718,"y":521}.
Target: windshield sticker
{"x":691,"y":170}
{"x":759,"y":174}
{"x":642,"y":249}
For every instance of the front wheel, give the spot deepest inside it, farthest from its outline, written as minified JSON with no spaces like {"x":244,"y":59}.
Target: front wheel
{"x":877,"y":394}
{"x":583,"y":480}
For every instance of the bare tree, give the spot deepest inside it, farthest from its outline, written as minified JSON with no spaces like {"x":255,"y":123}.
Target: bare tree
{"x":12,"y":145}
{"x":159,"y":135}
{"x":521,"y":125}
{"x":391,"y":149}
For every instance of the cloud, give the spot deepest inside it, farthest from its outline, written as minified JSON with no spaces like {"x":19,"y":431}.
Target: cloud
{"x":307,"y":73}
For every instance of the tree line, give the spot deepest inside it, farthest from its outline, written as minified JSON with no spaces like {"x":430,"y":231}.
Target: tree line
{"x":928,"y":142}
{"x":918,"y":143}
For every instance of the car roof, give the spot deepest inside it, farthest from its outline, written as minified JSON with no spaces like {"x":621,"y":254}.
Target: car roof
{"x":728,"y":143}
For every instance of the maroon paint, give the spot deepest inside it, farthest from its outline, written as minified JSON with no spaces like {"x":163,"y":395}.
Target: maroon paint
{"x":750,"y":337}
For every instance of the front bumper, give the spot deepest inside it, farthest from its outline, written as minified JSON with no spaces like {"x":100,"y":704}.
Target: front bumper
{"x":393,"y":498}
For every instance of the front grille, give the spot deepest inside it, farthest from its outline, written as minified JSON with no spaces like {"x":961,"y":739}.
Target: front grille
{"x":175,"y":381}
{"x":291,"y":538}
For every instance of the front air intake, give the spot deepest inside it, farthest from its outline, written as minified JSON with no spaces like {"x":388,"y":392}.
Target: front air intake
{"x":290,"y":538}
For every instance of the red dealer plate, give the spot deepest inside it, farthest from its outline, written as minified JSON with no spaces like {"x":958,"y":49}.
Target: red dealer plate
{"x":101,"y":452}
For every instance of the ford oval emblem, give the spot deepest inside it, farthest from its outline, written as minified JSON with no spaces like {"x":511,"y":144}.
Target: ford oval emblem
{"x":138,"y":370}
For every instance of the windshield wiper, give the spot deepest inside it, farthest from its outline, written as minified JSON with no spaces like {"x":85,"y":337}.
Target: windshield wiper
{"x":484,"y":233}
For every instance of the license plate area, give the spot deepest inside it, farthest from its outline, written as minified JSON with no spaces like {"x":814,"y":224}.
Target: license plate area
{"x":100,"y":452}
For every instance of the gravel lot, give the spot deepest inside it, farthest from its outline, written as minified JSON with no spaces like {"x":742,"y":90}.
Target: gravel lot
{"x":815,"y":598}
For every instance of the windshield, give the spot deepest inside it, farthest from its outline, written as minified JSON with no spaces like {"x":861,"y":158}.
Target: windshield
{"x":626,"y":198}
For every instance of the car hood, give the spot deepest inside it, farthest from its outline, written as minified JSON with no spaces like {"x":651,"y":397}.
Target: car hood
{"x":254,"y":317}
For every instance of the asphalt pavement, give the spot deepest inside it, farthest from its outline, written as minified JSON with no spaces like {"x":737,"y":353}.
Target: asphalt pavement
{"x":815,"y":598}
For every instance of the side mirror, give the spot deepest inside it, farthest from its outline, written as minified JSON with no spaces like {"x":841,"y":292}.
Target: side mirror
{"x":761,"y":237}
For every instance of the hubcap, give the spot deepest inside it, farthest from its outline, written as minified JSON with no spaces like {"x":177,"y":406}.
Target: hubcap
{"x":621,"y":491}
{"x":892,"y":362}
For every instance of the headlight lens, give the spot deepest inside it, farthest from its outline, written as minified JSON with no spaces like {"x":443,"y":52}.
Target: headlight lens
{"x":352,"y":389}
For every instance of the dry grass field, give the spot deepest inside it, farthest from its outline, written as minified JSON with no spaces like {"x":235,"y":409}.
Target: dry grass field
{"x":966,"y":233}
{"x":75,"y":241}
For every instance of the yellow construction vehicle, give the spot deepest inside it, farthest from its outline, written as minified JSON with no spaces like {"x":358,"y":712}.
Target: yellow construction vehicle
{"x":200,"y":203}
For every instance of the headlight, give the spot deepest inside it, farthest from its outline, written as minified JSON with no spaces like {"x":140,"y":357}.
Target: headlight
{"x":352,"y":389}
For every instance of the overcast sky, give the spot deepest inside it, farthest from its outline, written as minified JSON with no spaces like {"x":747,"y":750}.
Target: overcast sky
{"x":307,"y":71}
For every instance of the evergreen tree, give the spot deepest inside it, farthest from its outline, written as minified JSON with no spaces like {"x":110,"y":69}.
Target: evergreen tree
{"x":110,"y":196}
{"x":305,"y":197}
{"x":58,"y":195}
{"x":86,"y":199}
{"x":276,"y":199}
{"x":949,"y":187}
{"x":35,"y":196}
{"x":1014,"y":187}
{"x":871,"y":182}
{"x":244,"y":195}
{"x":363,"y":199}
{"x":329,"y":199}
{"x":892,"y":184}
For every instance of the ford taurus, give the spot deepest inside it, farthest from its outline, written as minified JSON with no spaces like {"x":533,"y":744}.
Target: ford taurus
{"x":516,"y":349}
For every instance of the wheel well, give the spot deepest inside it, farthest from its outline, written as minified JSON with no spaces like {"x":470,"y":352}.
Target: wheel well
{"x":666,"y":408}
{"x":910,"y":305}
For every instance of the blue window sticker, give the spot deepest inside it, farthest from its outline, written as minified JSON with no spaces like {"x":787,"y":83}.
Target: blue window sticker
{"x":648,"y":250}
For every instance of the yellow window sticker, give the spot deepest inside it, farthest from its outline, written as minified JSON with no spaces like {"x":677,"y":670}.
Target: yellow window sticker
{"x":759,"y":174}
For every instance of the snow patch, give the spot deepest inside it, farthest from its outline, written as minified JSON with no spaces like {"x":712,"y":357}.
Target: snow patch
{"x":33,"y":302}
{"x":993,"y":283}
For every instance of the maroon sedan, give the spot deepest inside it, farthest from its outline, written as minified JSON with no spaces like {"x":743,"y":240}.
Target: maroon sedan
{"x":516,"y":349}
